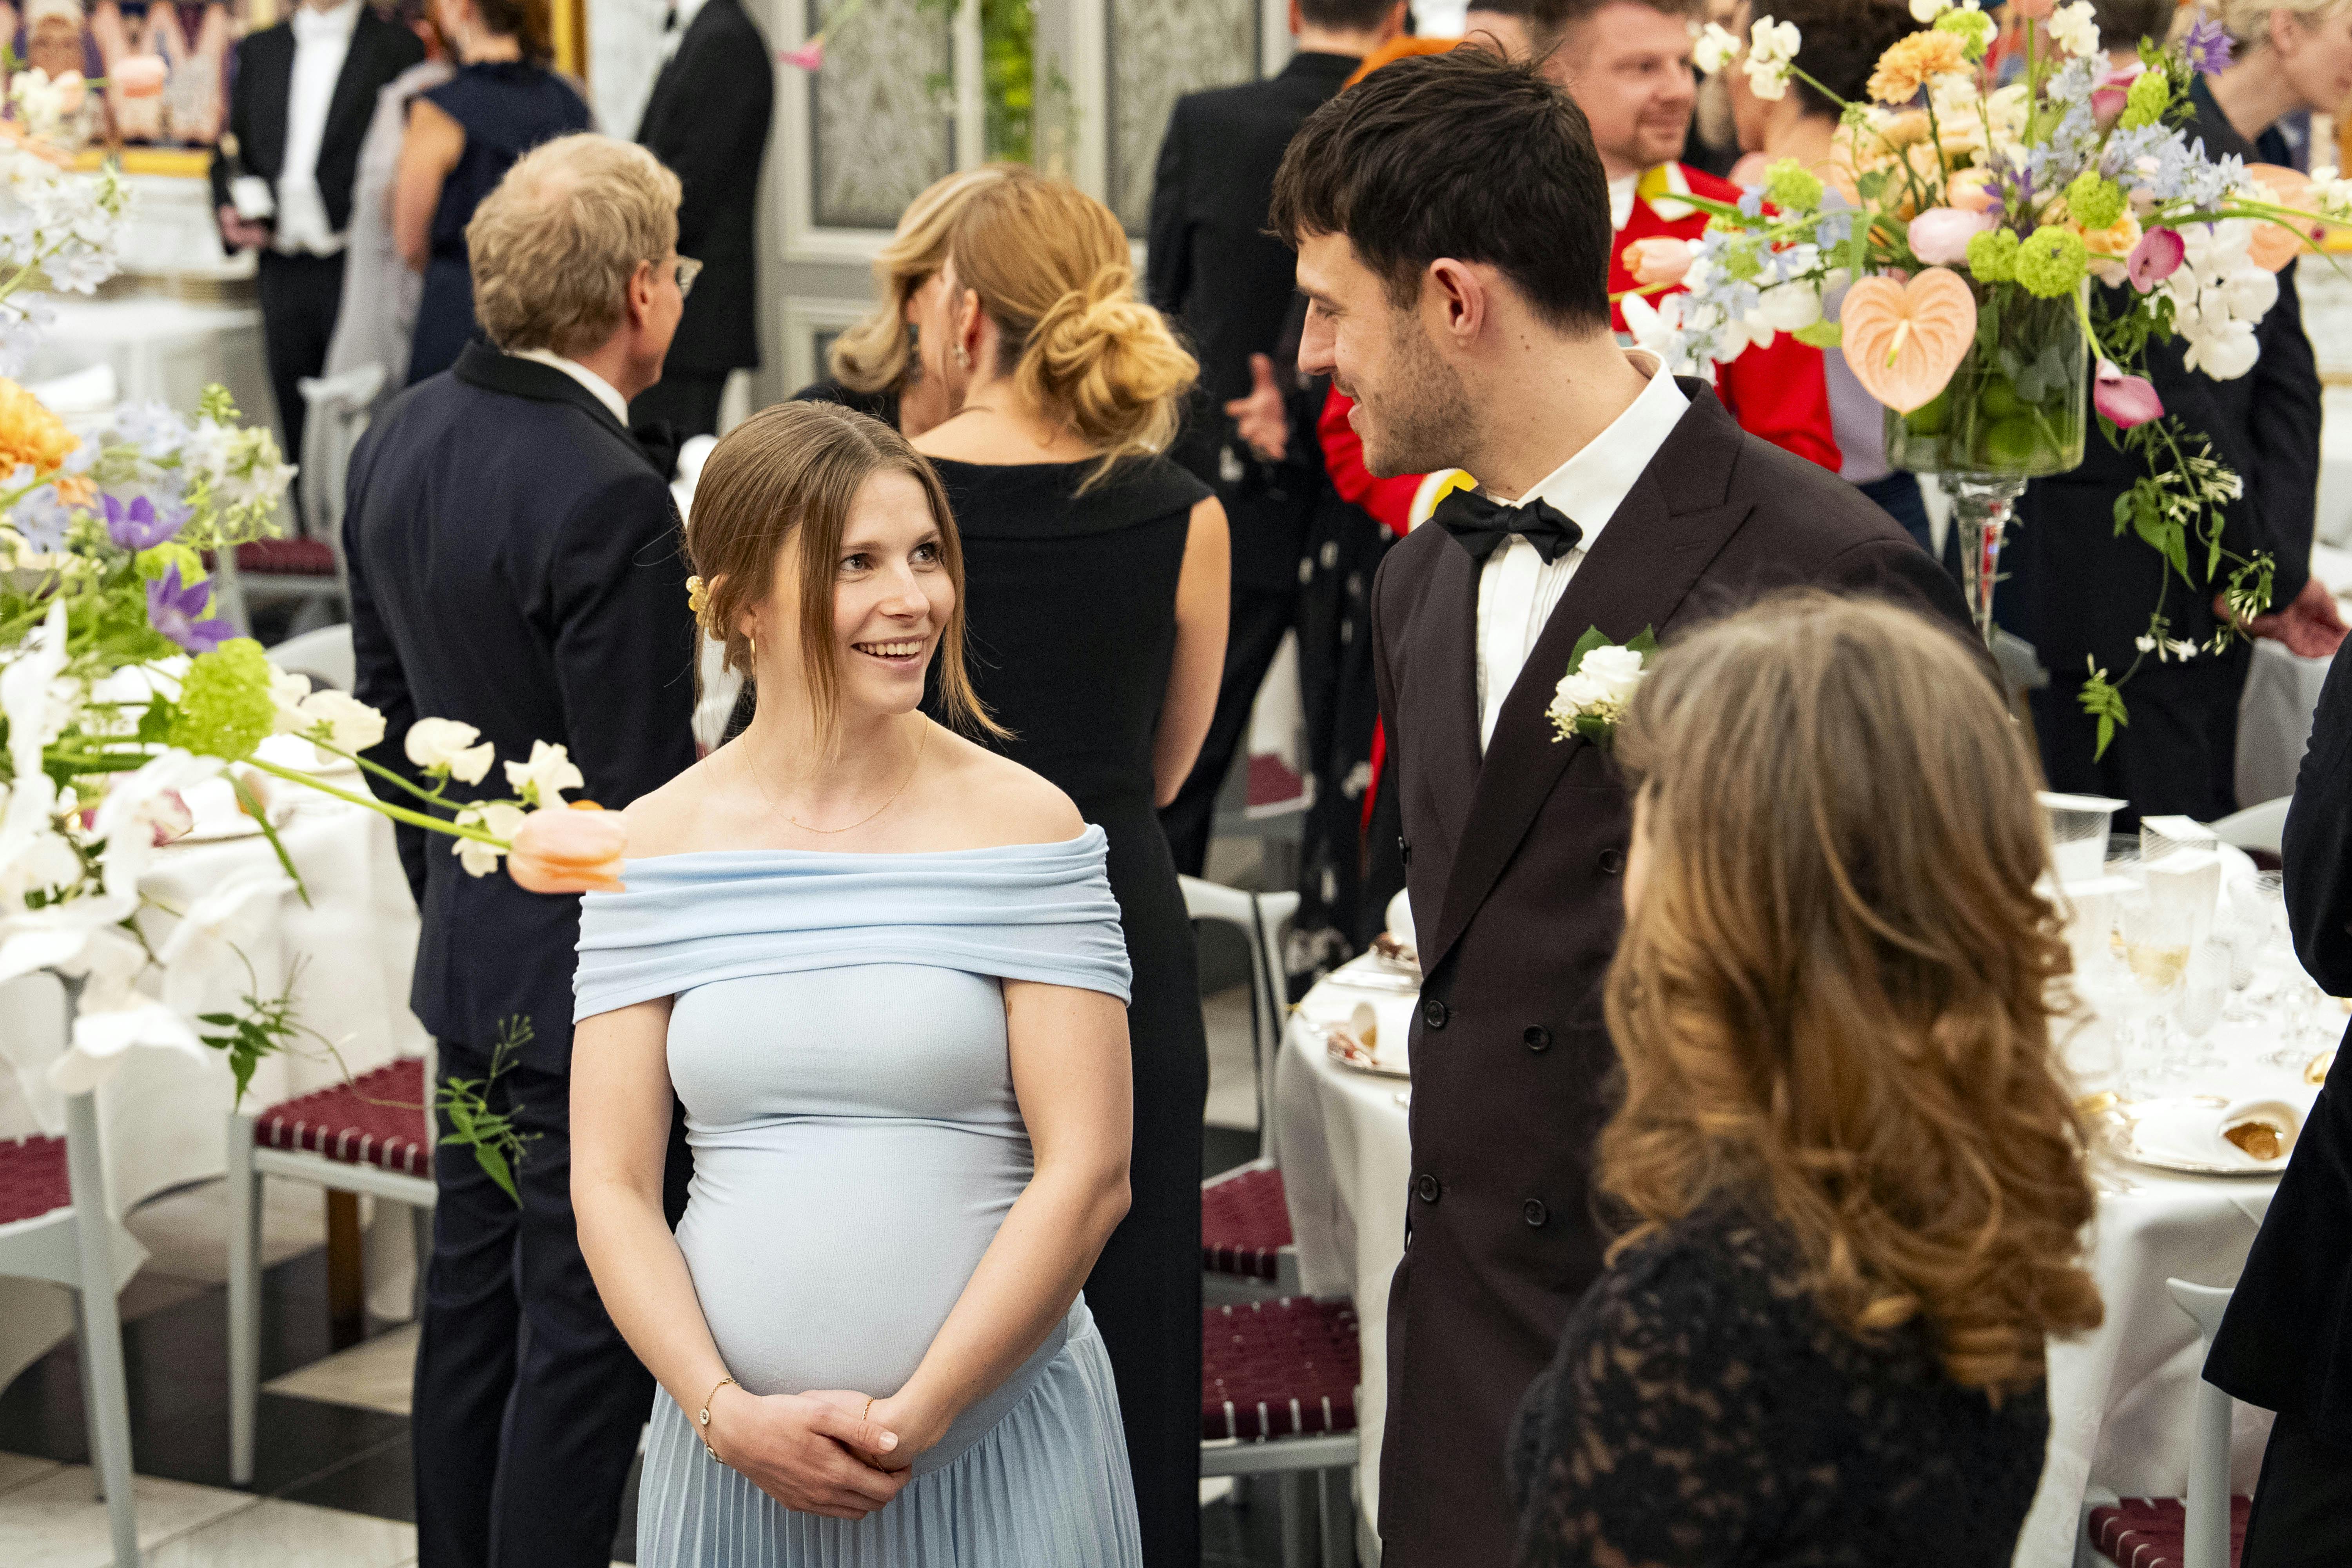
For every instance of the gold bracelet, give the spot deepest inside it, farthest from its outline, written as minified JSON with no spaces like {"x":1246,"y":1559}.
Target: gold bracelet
{"x":703,"y":1420}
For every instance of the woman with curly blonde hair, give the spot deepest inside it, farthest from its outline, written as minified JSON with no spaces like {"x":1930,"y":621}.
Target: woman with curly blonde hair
{"x":1850,"y":1166}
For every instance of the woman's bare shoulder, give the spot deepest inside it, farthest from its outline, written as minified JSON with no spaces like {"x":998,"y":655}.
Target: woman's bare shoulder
{"x":999,"y":801}
{"x":691,"y":812}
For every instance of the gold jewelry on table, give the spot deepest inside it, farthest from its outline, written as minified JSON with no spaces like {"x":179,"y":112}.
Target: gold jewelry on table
{"x":912,"y":769}
{"x":702,"y":1422}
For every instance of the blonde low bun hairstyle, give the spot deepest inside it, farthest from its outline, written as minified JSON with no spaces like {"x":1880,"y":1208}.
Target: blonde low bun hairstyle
{"x":1050,"y":266}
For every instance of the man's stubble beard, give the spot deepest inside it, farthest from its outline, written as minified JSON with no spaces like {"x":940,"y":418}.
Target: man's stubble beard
{"x":1424,"y":421}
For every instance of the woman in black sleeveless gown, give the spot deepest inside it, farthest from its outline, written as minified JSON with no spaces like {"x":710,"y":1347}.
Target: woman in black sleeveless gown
{"x":1095,"y":580}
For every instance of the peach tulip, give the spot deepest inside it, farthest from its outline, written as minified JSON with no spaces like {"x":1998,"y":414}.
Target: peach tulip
{"x":2032,"y":10}
{"x":2275,"y":243}
{"x":1659,"y":261}
{"x":138,"y":76}
{"x":574,"y":849}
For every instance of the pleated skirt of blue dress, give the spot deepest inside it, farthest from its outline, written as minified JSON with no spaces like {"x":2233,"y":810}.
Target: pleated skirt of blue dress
{"x":1046,"y":1487}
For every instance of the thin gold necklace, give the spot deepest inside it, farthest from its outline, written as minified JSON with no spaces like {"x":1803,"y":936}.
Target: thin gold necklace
{"x":887,"y":805}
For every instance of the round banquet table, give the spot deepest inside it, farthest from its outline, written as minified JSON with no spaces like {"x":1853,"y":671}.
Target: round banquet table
{"x":163,"y":1116}
{"x":163,"y":349}
{"x":2120,"y":1397}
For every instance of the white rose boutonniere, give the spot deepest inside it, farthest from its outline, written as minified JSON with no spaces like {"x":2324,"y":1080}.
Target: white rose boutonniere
{"x":1600,"y":684}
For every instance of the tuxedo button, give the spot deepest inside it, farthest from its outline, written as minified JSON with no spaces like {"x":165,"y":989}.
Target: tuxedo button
{"x":1404,"y":851}
{"x":1538,"y":1037}
{"x":1426,"y":1189}
{"x":1434,"y":1013}
{"x":1535,"y":1213}
{"x":1612,"y":862}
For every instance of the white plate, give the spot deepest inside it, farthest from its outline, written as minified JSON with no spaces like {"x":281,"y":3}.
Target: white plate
{"x":2181,"y":1132}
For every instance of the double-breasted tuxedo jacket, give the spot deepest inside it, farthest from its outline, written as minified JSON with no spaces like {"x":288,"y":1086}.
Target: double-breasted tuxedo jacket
{"x":1512,"y":864}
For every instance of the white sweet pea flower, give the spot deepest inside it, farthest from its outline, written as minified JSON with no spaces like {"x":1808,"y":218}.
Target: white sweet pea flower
{"x":1615,"y":670}
{"x":445,"y":743}
{"x":2075,"y":28}
{"x":478,"y":858}
{"x":286,"y":690}
{"x":1787,"y":307}
{"x":231,"y":916}
{"x":342,"y":721}
{"x":127,"y":816}
{"x":1925,"y":12}
{"x":543,"y":780}
{"x":1715,"y":48}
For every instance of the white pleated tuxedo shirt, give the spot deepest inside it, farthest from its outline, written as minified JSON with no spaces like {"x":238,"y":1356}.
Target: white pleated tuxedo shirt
{"x":1518,"y":589}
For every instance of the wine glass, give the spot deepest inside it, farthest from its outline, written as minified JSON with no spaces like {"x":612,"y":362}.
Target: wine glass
{"x":2157,"y":943}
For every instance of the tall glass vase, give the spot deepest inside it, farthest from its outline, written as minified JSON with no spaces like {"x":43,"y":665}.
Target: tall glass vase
{"x":2013,"y":410}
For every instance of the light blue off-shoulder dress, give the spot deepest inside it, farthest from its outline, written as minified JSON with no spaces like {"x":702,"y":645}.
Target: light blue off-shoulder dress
{"x":838,"y":1040}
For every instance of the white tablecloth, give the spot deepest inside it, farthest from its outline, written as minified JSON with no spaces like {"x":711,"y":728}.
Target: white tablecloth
{"x":2120,"y":1397}
{"x":164,"y":1117}
{"x":162,"y":350}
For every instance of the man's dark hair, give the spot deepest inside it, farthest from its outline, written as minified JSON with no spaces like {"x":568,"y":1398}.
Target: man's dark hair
{"x":1464,"y":155}
{"x":1843,"y":41}
{"x":1346,"y":15}
{"x":1545,"y":20}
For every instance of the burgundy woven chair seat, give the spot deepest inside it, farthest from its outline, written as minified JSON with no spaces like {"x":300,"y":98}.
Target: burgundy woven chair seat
{"x":1245,"y":1226}
{"x":33,"y":1179}
{"x":375,"y":1119}
{"x":288,"y":557}
{"x":2146,"y":1533}
{"x":1279,"y":1369}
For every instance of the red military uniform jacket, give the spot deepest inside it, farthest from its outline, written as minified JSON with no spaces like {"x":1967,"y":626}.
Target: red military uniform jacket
{"x":1776,"y":392}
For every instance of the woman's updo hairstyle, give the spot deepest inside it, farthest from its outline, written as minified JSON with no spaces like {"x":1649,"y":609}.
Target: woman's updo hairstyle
{"x":786,"y":480}
{"x":2249,"y":21}
{"x":1051,"y":269}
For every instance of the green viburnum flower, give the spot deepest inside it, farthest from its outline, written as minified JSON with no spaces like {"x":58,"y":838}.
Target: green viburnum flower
{"x":2144,"y":103}
{"x":1789,"y":186}
{"x":224,"y":708}
{"x":1992,"y":256}
{"x":2051,"y":261}
{"x":2093,"y":202}
{"x":1974,"y":29}
{"x":1741,"y":262}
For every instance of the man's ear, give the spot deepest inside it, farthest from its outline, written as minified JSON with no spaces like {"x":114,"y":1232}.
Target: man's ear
{"x":1457,"y":294}
{"x":642,"y":283}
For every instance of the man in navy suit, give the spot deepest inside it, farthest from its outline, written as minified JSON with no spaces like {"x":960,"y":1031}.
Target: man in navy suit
{"x":515,"y":566}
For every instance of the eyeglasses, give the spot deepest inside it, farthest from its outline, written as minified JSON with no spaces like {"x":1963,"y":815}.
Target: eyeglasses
{"x":688,"y":269}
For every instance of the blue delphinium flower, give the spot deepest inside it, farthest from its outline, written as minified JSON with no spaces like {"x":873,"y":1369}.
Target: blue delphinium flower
{"x":175,"y":609}
{"x":1833,"y":230}
{"x":42,"y":519}
{"x":141,"y":525}
{"x":1751,"y":202}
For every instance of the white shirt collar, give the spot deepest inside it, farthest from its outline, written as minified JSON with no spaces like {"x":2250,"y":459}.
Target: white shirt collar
{"x":1590,"y":486}
{"x":311,"y":25}
{"x":604,"y":390}
{"x":1620,"y":200}
{"x":688,"y":10}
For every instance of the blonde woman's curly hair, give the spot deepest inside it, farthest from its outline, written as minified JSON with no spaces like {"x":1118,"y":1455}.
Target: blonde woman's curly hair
{"x":1837,"y":985}
{"x":1051,"y":267}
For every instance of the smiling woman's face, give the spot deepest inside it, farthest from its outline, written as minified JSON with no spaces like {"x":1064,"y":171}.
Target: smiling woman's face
{"x":891,"y":596}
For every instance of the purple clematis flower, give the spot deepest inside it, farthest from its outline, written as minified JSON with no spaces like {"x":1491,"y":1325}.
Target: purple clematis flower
{"x":172,"y":608}
{"x":2207,"y":47}
{"x":2127,"y":400}
{"x":2154,"y":259}
{"x":142,"y":525}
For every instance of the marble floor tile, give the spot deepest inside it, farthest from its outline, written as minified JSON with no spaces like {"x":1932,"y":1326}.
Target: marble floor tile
{"x":21,"y":1469}
{"x":185,"y":1231}
{"x":374,"y":1375}
{"x":290,"y":1536}
{"x":58,"y":1523}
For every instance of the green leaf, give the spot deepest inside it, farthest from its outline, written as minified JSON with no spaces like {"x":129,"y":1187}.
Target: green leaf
{"x":1645,"y":643}
{"x":1819,"y":335}
{"x":155,"y":721}
{"x":1593,"y":637}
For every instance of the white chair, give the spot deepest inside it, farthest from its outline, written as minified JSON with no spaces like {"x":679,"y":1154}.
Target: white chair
{"x":2260,"y":826}
{"x":371,"y":1135}
{"x":308,"y":567}
{"x":325,"y":656}
{"x":1280,"y":1382}
{"x":54,"y":1226}
{"x":2194,"y":1531}
{"x":1245,"y":1226}
{"x":1263,"y":921}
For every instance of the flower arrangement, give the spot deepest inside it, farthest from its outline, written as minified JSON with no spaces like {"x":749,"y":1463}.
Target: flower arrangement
{"x":121,"y":687}
{"x":1962,"y":222}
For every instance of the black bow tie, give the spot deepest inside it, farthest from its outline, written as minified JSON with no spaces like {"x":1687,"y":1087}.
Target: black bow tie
{"x":1481,"y":525}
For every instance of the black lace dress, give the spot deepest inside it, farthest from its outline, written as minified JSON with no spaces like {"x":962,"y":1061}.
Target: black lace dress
{"x":1701,"y":1411}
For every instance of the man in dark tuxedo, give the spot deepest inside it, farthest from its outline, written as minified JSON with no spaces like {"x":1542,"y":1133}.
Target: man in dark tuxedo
{"x":1452,"y":222}
{"x":515,"y":565}
{"x":304,"y":92}
{"x":708,"y":120}
{"x":1214,"y":268}
{"x":2286,"y":1341}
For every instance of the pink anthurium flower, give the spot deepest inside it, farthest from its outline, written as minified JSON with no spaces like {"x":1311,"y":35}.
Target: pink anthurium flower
{"x":1940,"y":236}
{"x":808,"y":56}
{"x":2126,"y":400}
{"x":1660,"y":260}
{"x":2154,"y":259}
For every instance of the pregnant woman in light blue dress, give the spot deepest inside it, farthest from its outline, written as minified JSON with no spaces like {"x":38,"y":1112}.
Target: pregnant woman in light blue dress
{"x":882,"y":968}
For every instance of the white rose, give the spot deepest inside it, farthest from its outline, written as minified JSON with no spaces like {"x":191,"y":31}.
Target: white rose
{"x":1617,"y":671}
{"x":549,"y":770}
{"x":1787,"y":307}
{"x":348,"y":724}
{"x":478,"y":858}
{"x":446,"y":743}
{"x":1577,"y":692}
